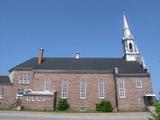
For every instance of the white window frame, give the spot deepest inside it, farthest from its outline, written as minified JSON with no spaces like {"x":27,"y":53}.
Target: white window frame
{"x":121,"y":85}
{"x":101,"y":89}
{"x":28,"y":98}
{"x":33,"y":98}
{"x":20,"y":78}
{"x":64,"y":89}
{"x":130,"y":50}
{"x":46,"y":85}
{"x":28,"y":78}
{"x":83,"y":89}
{"x":19,"y":96}
{"x":139,"y":83}
{"x":38,"y":99}
{"x":2,"y":93}
{"x":24,"y":78}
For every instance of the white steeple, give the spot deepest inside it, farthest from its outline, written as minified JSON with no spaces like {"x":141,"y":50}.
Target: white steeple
{"x":131,"y":52}
{"x":126,"y":30}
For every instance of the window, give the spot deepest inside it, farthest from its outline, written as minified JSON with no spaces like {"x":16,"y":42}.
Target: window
{"x":21,"y":78}
{"x":101,"y":89}
{"x":138,"y":83}
{"x":82,"y":89}
{"x":38,"y":98}
{"x":28,"y":78}
{"x":1,"y":93}
{"x":24,"y":78}
{"x":130,"y":47}
{"x":28,"y":98}
{"x":64,"y":89}
{"x":121,"y":88}
{"x":46,"y":85}
{"x":34,"y":98}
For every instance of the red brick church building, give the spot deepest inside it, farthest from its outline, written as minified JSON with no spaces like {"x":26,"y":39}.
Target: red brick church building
{"x":40,"y":81}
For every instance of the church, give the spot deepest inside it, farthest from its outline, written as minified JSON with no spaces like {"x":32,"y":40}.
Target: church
{"x":39,"y":82}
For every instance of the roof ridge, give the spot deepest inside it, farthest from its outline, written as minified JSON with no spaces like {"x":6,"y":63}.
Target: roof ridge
{"x":85,"y":57}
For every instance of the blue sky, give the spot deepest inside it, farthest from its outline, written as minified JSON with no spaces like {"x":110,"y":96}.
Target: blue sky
{"x":92,"y":27}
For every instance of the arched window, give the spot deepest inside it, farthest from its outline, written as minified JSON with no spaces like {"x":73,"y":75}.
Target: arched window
{"x":130,"y":47}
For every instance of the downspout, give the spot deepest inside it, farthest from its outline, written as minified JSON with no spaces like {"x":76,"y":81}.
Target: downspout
{"x":115,"y":72}
{"x":54,"y":100}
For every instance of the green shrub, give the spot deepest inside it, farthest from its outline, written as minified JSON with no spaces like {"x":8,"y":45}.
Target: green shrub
{"x":158,"y":110}
{"x":98,"y":107}
{"x":104,"y":106}
{"x":62,"y":105}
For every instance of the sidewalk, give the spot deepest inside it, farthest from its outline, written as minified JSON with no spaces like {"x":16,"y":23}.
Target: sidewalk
{"x":15,"y":115}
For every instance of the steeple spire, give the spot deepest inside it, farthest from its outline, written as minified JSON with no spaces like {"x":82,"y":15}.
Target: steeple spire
{"x":130,"y":48}
{"x":131,"y":52}
{"x":126,"y":30}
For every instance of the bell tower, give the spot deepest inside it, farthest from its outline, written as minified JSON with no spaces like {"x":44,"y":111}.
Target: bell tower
{"x":131,"y":52}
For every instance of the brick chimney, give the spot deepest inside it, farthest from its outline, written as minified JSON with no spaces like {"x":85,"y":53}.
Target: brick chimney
{"x":40,"y":55}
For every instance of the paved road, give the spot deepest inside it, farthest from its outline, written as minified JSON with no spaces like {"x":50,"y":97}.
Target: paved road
{"x":14,"y":115}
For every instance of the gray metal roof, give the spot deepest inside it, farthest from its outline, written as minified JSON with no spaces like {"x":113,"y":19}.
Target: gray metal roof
{"x":83,"y":64}
{"x":4,"y":80}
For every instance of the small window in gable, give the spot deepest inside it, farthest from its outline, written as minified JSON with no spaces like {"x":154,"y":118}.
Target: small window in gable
{"x":24,"y":78}
{"x":138,"y":83}
{"x":21,"y":78}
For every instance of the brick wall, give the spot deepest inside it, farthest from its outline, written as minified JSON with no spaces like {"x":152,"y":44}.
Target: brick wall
{"x":133,"y":96}
{"x":16,"y":78}
{"x":8,"y":98}
{"x":74,"y":87}
{"x":39,"y":102}
{"x":133,"y":99}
